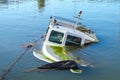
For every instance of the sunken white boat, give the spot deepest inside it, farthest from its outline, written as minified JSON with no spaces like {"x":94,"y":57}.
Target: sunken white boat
{"x":62,"y":32}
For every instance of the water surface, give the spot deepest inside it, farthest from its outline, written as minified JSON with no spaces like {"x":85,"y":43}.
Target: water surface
{"x":25,"y":20}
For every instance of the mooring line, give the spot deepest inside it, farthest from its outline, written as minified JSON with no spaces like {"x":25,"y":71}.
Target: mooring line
{"x":28,"y":47}
{"x":12,"y":64}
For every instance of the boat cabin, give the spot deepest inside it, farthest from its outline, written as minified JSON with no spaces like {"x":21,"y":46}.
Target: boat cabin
{"x":64,"y":37}
{"x":66,"y":33}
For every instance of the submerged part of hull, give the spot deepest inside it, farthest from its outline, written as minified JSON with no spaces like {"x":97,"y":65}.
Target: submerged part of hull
{"x":67,"y":64}
{"x":41,"y":56}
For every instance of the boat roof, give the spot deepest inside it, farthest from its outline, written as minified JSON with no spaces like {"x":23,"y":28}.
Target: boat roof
{"x":66,"y":20}
{"x":70,"y":24}
{"x":67,"y":25}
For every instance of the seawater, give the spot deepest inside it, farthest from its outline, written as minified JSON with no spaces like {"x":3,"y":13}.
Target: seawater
{"x":22,"y":21}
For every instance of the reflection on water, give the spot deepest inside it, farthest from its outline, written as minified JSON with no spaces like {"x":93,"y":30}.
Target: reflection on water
{"x":41,"y":4}
{"x":9,"y":2}
{"x":4,"y":3}
{"x":107,"y":1}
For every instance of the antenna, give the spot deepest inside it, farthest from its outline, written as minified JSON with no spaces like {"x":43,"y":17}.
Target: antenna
{"x":77,"y":19}
{"x":79,"y":14}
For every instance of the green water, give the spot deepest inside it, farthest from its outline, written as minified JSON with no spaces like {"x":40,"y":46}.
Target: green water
{"x":25,"y":20}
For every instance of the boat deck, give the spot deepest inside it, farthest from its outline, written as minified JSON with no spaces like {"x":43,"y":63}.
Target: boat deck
{"x":73,"y":26}
{"x":70,"y":24}
{"x":66,"y":25}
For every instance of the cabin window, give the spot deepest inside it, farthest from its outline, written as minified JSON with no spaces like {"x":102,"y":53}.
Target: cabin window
{"x":56,"y":37}
{"x":72,"y":40}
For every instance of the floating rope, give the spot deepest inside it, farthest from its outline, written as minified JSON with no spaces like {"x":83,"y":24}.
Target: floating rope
{"x":28,"y":47}
{"x":12,"y":64}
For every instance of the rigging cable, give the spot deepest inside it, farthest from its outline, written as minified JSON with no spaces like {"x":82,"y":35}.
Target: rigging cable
{"x":52,"y":8}
{"x":74,"y":7}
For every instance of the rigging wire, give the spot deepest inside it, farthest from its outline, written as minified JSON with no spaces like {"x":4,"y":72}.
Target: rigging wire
{"x":52,"y":8}
{"x":74,"y":7}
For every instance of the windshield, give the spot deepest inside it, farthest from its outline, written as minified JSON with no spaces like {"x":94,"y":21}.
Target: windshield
{"x":56,"y":37}
{"x":72,"y":41}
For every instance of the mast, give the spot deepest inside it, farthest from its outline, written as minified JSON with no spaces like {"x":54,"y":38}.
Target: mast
{"x":77,"y":19}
